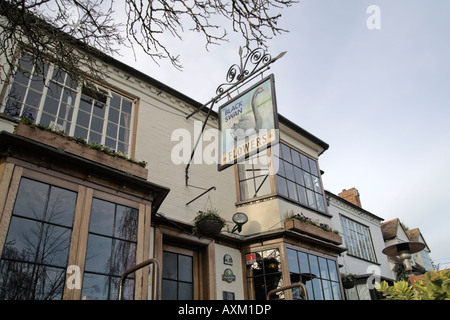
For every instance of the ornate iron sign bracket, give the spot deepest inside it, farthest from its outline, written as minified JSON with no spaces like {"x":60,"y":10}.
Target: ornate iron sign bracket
{"x":257,"y":61}
{"x":238,"y":73}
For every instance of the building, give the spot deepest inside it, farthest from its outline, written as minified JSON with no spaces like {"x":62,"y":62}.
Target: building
{"x":394,"y":232}
{"x":363,"y":239}
{"x":74,"y":219}
{"x":114,"y":176}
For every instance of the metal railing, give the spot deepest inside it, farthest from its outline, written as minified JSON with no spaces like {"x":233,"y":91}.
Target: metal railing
{"x":156,"y":285}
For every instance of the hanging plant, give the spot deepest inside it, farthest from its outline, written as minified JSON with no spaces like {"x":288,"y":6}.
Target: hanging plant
{"x":348,"y":280}
{"x":208,"y":223}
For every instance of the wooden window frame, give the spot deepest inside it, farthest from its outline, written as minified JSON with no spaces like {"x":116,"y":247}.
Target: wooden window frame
{"x":204,"y":267}
{"x":11,"y":175}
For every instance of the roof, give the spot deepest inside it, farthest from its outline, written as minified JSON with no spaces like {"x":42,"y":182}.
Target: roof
{"x":413,"y":235}
{"x":389,"y":229}
{"x":353,"y":205}
{"x":56,"y":158}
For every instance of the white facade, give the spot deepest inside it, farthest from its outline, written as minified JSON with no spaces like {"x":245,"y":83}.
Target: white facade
{"x":367,"y":268}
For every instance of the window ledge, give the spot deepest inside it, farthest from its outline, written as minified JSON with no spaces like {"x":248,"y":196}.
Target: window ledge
{"x":72,"y":147}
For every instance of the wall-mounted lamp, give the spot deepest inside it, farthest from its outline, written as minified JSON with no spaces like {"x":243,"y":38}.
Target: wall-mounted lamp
{"x":239,"y":218}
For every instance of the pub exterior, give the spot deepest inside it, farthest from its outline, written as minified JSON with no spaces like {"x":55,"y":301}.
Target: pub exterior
{"x":96,"y":179}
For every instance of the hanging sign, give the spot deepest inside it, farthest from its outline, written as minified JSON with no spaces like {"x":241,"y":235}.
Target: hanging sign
{"x":250,"y":258}
{"x":248,"y":124}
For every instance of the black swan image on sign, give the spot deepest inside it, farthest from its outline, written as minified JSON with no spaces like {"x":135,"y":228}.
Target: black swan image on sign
{"x":248,"y":125}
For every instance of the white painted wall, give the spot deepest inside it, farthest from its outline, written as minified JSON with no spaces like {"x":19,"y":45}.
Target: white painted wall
{"x":353,"y":264}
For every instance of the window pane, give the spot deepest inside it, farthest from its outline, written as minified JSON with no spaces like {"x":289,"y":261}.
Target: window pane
{"x":102,"y":217}
{"x":49,"y":283}
{"x":311,"y":199}
{"x":296,"y":158}
{"x":289,"y":169}
{"x":123,"y":256}
{"x":97,"y":124}
{"x":170,"y":265}
{"x":292,"y":189}
{"x":314,"y":265}
{"x":93,"y":287}
{"x":125,"y":120}
{"x":33,"y":98}
{"x":111,"y":130}
{"x":85,"y":104}
{"x":319,"y":202}
{"x":304,"y":263}
{"x":316,"y":184}
{"x":307,"y":179}
{"x":115,"y":101}
{"x":95,"y":137}
{"x":305,"y":162}
{"x":110,"y":143}
{"x":22,"y":240}
{"x":336,"y":290}
{"x":333,"y":270}
{"x":313,"y":167}
{"x":51,"y":106}
{"x":262,"y":185}
{"x":126,"y":223}
{"x":185,"y":268}
{"x":286,"y":152}
{"x":126,"y":106}
{"x":281,"y":171}
{"x":323,"y":268}
{"x":299,"y":176}
{"x":123,"y":134}
{"x":185,"y":291}
{"x":61,"y":206}
{"x":113,"y":115}
{"x":54,"y":91}
{"x":31,"y":199}
{"x":99,"y":109}
{"x":98,"y":254}
{"x":80,"y":133}
{"x":327,"y":290}
{"x":282,"y":187}
{"x":169,"y":290}
{"x":292,"y":260}
{"x":302,"y":194}
{"x":317,"y":287}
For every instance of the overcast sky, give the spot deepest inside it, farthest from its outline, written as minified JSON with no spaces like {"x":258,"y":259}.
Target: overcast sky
{"x":379,"y":97}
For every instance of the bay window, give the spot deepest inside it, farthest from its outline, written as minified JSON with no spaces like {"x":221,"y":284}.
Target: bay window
{"x":296,"y":177}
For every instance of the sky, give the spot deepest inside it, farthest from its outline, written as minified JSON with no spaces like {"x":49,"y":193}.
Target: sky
{"x":377,"y":91}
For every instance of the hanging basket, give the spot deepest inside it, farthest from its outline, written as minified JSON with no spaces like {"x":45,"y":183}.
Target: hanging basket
{"x":209,"y":227}
{"x":348,"y":283}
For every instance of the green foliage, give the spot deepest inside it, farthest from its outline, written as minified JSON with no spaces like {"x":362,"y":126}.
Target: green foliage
{"x":29,"y":120}
{"x":210,"y":214}
{"x":435,"y":286}
{"x":300,"y":216}
{"x":401,"y":290}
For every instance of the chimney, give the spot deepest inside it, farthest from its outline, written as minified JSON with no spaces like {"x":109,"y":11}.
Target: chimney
{"x":351,"y":195}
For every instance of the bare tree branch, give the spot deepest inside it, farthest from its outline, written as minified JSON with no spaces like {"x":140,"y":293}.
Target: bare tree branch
{"x":69,"y":32}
